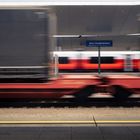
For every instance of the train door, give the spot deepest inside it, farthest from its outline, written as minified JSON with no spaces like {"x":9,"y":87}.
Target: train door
{"x":128,"y":63}
{"x":80,"y":61}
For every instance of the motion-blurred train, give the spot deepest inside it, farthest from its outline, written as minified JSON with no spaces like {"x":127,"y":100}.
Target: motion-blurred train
{"x":26,"y":42}
{"x":26,"y":52}
{"x":110,"y":61}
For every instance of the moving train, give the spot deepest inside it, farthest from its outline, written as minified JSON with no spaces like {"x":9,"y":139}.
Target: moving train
{"x":26,"y":52}
{"x":110,"y":61}
{"x":26,"y":42}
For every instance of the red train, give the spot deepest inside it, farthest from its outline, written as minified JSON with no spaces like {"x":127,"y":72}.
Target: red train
{"x":112,"y":61}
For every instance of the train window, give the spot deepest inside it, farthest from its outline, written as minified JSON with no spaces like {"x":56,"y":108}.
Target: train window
{"x":104,"y":60}
{"x":63,"y":60}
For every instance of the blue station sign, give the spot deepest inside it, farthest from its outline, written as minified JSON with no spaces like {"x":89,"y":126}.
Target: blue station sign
{"x":99,"y":43}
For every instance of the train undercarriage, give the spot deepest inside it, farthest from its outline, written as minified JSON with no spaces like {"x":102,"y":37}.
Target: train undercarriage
{"x":79,"y":86}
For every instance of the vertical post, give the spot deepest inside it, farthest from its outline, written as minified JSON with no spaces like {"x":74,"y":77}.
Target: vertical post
{"x":46,"y":40}
{"x":56,"y":65}
{"x":99,"y":60}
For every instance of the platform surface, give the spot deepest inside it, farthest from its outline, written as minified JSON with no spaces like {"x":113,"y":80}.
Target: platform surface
{"x":70,"y":133}
{"x":122,"y":128}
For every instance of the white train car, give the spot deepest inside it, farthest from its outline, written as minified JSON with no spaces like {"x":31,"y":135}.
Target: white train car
{"x":114,"y":61}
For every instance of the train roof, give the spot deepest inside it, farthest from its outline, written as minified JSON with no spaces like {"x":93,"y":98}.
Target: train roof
{"x":102,"y":52}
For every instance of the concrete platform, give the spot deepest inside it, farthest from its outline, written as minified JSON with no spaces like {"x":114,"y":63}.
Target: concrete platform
{"x":72,"y":131}
{"x":69,"y":114}
{"x":69,"y":132}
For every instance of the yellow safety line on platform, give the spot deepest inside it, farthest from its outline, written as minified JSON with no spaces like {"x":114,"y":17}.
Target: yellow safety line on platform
{"x":118,"y":121}
{"x":72,"y":122}
{"x":47,"y":122}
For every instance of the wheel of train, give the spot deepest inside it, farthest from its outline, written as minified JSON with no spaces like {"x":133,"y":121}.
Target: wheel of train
{"x":120,"y":92}
{"x":83,"y":94}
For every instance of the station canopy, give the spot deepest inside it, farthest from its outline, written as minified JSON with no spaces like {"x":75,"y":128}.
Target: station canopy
{"x":72,"y":2}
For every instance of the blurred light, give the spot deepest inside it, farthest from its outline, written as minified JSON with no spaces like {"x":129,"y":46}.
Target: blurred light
{"x":78,"y":36}
{"x":65,"y":36}
{"x":136,"y":34}
{"x":94,"y":35}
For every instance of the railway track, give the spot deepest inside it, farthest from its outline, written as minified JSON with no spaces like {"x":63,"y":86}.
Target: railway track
{"x":70,"y":102}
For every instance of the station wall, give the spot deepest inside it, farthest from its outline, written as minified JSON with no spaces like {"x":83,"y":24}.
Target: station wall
{"x":119,"y":44}
{"x":109,"y":22}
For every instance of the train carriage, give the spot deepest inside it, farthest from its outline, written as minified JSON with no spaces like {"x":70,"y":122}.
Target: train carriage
{"x":111,"y":61}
